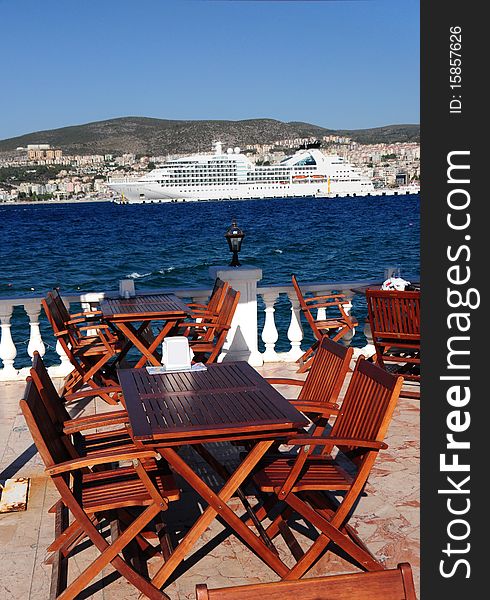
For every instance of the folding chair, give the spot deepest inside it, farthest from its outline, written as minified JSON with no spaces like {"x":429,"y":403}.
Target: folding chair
{"x":335,"y":327}
{"x":89,"y":354}
{"x":82,"y":317}
{"x":207,"y":336}
{"x":215,"y":303}
{"x":94,"y":496}
{"x":390,"y":584}
{"x":310,"y":483}
{"x":65,"y":424}
{"x":394,"y":317}
{"x":321,"y":388}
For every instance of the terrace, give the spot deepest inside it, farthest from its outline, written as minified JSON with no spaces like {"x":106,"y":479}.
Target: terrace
{"x":269,"y":333}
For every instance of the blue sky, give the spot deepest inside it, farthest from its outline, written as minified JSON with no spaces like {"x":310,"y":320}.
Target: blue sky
{"x":344,"y":64}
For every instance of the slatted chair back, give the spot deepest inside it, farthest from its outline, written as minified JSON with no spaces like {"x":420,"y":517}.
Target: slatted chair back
{"x":305,"y":309}
{"x":217,"y":295}
{"x":327,"y":373}
{"x":394,"y":314}
{"x":48,"y":439}
{"x":388,"y":584}
{"x":45,"y":386}
{"x":67,"y":338}
{"x":225,"y":315}
{"x":58,"y":301}
{"x":368,"y":404}
{"x":394,"y":317}
{"x":208,"y":345}
{"x":223,"y":322}
{"x":58,"y":318}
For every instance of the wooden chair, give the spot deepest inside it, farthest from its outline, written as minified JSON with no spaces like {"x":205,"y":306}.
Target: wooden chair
{"x":91,"y":496}
{"x":335,"y":327}
{"x":82,"y":317}
{"x":213,"y":307}
{"x":65,"y":424}
{"x":321,"y":388}
{"x":390,"y":584}
{"x":309,"y":483}
{"x":394,"y":317}
{"x":89,"y":354}
{"x":207,"y":336}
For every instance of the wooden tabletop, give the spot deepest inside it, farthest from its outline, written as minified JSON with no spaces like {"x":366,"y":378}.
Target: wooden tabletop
{"x":227,"y":401}
{"x":150,"y":306}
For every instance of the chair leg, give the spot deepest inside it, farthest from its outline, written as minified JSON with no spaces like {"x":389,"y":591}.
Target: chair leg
{"x":110,"y":554}
{"x":329,"y":533}
{"x":59,"y":572}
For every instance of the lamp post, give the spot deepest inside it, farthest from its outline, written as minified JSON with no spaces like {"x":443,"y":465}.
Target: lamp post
{"x":234,"y":237}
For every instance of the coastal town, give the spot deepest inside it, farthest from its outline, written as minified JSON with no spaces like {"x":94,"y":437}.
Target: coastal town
{"x":40,"y":172}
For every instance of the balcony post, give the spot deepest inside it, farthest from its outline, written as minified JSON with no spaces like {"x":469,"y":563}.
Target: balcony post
{"x":8,"y":351}
{"x":295,"y":330}
{"x":270,"y":334}
{"x":35,"y":340}
{"x":242,"y":339}
{"x":65,"y":365}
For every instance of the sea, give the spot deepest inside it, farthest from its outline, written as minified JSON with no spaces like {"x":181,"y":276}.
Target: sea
{"x":90,"y":246}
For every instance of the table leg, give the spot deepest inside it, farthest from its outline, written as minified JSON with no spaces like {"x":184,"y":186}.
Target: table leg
{"x":224,"y":473}
{"x":131,"y":334}
{"x":217,"y":505}
{"x":156,"y":342}
{"x":129,"y":343}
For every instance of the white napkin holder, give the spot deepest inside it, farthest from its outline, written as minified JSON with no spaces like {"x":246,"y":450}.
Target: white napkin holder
{"x":176,"y":353}
{"x":126,"y":288}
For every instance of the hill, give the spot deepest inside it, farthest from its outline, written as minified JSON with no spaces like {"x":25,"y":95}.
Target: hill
{"x":142,"y":135}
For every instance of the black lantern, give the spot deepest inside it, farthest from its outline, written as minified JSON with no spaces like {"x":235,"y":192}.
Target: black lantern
{"x":234,"y":236}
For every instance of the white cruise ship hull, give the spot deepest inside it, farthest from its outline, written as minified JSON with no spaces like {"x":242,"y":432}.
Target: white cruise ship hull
{"x":146,"y":193}
{"x":232,"y":176}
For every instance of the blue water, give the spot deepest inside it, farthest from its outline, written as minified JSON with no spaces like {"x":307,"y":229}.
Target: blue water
{"x":90,"y":246}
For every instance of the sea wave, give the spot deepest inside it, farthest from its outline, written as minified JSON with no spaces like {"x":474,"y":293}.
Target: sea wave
{"x":136,"y":275}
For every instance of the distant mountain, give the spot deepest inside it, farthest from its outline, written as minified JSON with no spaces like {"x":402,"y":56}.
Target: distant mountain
{"x":142,"y":135}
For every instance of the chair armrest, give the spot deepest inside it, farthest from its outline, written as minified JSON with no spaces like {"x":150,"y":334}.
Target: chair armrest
{"x":89,"y":313}
{"x":193,"y":325}
{"x":337,"y":297}
{"x":197,"y":305}
{"x":99,"y":458}
{"x":312,"y":305}
{"x":114,"y":417}
{"x":284,"y":381}
{"x":320,"y":408}
{"x":333,"y":441}
{"x":93,"y":326}
{"x":92,"y":392}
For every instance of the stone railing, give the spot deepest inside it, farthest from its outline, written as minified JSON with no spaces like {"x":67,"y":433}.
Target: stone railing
{"x":10,"y":346}
{"x":287,"y":334}
{"x":270,"y":334}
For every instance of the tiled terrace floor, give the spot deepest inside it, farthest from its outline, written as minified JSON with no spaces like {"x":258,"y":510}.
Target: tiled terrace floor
{"x":387,"y":519}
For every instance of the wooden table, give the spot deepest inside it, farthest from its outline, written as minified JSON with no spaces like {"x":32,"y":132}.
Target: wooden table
{"x":125,"y":313}
{"x":228,"y":402}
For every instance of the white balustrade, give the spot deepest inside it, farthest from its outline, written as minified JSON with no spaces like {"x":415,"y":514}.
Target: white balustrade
{"x":35,"y":340}
{"x":8,"y":351}
{"x":295,"y":329}
{"x":271,"y":335}
{"x":65,"y":365}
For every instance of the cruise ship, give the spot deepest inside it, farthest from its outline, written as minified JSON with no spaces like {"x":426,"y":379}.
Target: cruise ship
{"x":231,"y":175}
